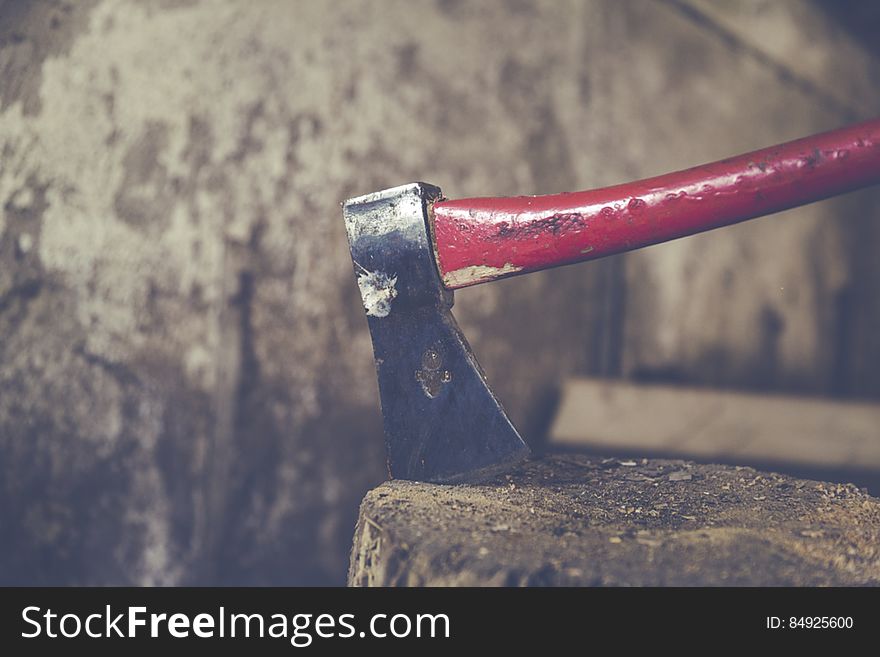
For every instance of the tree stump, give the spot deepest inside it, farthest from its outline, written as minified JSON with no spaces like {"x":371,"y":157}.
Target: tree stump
{"x":576,"y":520}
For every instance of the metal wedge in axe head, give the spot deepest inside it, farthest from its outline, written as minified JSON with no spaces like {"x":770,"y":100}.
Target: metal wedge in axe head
{"x":411,"y":248}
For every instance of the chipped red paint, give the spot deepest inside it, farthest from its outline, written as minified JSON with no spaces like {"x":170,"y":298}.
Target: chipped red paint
{"x":481,"y":239}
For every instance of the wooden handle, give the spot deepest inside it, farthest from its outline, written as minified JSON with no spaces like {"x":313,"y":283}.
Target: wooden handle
{"x":483,"y":239}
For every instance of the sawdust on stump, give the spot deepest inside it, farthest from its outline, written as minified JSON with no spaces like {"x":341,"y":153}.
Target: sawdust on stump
{"x":575,"y":520}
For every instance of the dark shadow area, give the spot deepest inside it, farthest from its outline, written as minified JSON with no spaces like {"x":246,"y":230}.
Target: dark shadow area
{"x":861,"y":18}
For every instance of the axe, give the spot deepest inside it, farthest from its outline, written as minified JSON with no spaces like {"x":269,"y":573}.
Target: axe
{"x":411,"y":248}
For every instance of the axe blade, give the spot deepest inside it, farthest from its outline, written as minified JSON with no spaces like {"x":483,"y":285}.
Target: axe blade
{"x":442,"y":422}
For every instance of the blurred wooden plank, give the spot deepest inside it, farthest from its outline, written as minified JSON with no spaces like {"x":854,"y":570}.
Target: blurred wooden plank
{"x":711,"y":424}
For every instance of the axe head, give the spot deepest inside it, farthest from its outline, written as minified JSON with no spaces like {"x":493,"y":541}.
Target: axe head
{"x":442,"y":422}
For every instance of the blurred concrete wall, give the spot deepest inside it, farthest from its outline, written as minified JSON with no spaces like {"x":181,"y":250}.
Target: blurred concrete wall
{"x":187,"y":392}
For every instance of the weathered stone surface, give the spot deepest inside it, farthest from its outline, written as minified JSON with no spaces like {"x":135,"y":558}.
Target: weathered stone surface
{"x":573,"y":520}
{"x":187,"y":392}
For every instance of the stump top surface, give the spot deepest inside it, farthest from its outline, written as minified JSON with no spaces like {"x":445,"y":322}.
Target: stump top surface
{"x":575,"y":520}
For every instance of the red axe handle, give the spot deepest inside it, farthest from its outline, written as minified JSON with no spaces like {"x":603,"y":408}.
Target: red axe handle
{"x":483,"y":239}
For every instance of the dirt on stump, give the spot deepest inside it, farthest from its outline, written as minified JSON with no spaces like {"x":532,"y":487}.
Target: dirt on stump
{"x":578,"y":521}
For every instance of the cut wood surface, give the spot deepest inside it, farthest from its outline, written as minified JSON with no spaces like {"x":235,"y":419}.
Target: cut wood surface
{"x":573,"y":520}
